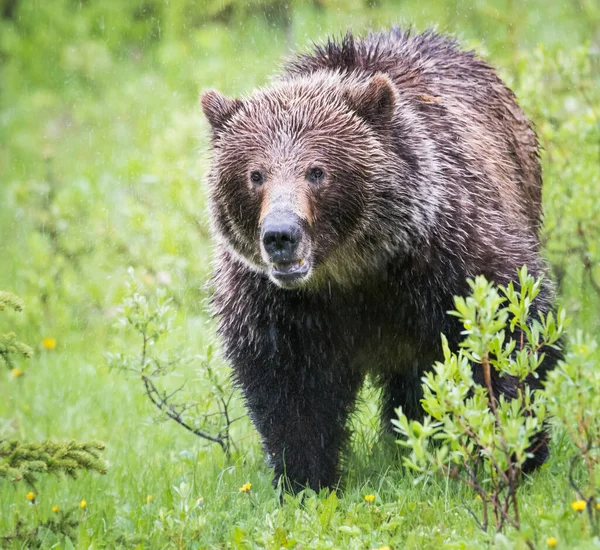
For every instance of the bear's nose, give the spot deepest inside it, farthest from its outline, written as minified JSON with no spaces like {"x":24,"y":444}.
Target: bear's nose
{"x":280,"y":238}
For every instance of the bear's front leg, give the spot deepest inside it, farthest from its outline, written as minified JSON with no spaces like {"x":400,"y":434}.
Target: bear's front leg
{"x":300,"y":405}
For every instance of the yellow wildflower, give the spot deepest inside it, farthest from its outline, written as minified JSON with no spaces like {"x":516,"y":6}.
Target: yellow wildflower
{"x":552,"y":542}
{"x":82,"y":504}
{"x":55,"y":509}
{"x":149,"y":499}
{"x":384,"y":548}
{"x":245,"y":488}
{"x":597,"y":505}
{"x":49,"y":343}
{"x":30,"y":496}
{"x":17,"y":372}
{"x":579,"y":505}
{"x":369,"y":498}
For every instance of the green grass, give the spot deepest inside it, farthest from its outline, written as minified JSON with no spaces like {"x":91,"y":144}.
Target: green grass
{"x":96,"y":109}
{"x":149,"y":459}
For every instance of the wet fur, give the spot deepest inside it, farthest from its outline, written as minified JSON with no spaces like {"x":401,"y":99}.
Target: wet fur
{"x":441,"y":182}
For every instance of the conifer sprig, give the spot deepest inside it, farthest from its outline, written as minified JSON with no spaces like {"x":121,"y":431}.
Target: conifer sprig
{"x":9,"y":345}
{"x":22,"y":461}
{"x":8,"y":299}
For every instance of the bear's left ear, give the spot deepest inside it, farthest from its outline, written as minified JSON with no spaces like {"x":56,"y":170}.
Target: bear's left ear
{"x":374,"y":101}
{"x":218,"y":109}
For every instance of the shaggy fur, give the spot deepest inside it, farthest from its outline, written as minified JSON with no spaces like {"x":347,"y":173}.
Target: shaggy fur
{"x":430,"y":174}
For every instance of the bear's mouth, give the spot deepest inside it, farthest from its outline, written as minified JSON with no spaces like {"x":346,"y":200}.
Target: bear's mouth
{"x":288,"y":273}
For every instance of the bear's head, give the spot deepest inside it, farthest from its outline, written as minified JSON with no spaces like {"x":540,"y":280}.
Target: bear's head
{"x":302,"y":176}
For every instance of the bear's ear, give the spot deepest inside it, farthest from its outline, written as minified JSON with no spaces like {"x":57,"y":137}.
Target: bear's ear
{"x":218,"y":109}
{"x":374,"y":101}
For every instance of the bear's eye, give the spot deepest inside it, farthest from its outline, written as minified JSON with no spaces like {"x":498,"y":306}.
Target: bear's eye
{"x":256,"y":177}
{"x":316,"y":175}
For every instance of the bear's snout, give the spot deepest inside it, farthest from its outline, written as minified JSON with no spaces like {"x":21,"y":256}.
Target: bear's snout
{"x":281,"y":236}
{"x":281,"y":239}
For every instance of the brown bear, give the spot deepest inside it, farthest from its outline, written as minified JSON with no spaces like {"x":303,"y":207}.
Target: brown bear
{"x":351,"y":199}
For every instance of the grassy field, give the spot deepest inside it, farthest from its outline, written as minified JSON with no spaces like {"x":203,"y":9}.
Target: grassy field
{"x":103,"y":151}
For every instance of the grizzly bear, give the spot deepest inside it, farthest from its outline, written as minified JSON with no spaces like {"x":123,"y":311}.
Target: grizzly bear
{"x":350,"y":200}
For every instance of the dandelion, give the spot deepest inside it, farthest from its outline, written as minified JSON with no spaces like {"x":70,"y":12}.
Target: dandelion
{"x":149,"y":499}
{"x":245,"y":488}
{"x":82,"y":504}
{"x":55,"y":509}
{"x":579,"y":505}
{"x":17,"y":372}
{"x":369,"y":498}
{"x":384,"y":548}
{"x":49,"y":343}
{"x":30,"y":496}
{"x":597,"y":505}
{"x":552,"y":542}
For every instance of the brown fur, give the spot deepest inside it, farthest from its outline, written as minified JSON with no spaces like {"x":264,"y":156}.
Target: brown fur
{"x":430,"y":174}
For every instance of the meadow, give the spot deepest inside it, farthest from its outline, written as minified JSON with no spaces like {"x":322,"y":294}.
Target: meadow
{"x":103,"y":155}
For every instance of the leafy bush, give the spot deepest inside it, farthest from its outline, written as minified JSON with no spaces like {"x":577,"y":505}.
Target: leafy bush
{"x":482,"y":439}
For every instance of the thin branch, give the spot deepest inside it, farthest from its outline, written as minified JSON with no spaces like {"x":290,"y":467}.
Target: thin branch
{"x":173,"y":414}
{"x":482,"y":526}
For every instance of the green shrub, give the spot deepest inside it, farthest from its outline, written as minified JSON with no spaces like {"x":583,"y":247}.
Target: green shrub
{"x":470,"y":434}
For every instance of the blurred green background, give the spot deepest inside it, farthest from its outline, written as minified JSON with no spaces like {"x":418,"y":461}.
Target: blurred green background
{"x":103,"y":151}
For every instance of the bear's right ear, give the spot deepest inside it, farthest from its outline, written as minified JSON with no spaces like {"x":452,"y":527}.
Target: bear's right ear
{"x":218,"y":109}
{"x":374,"y":101}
